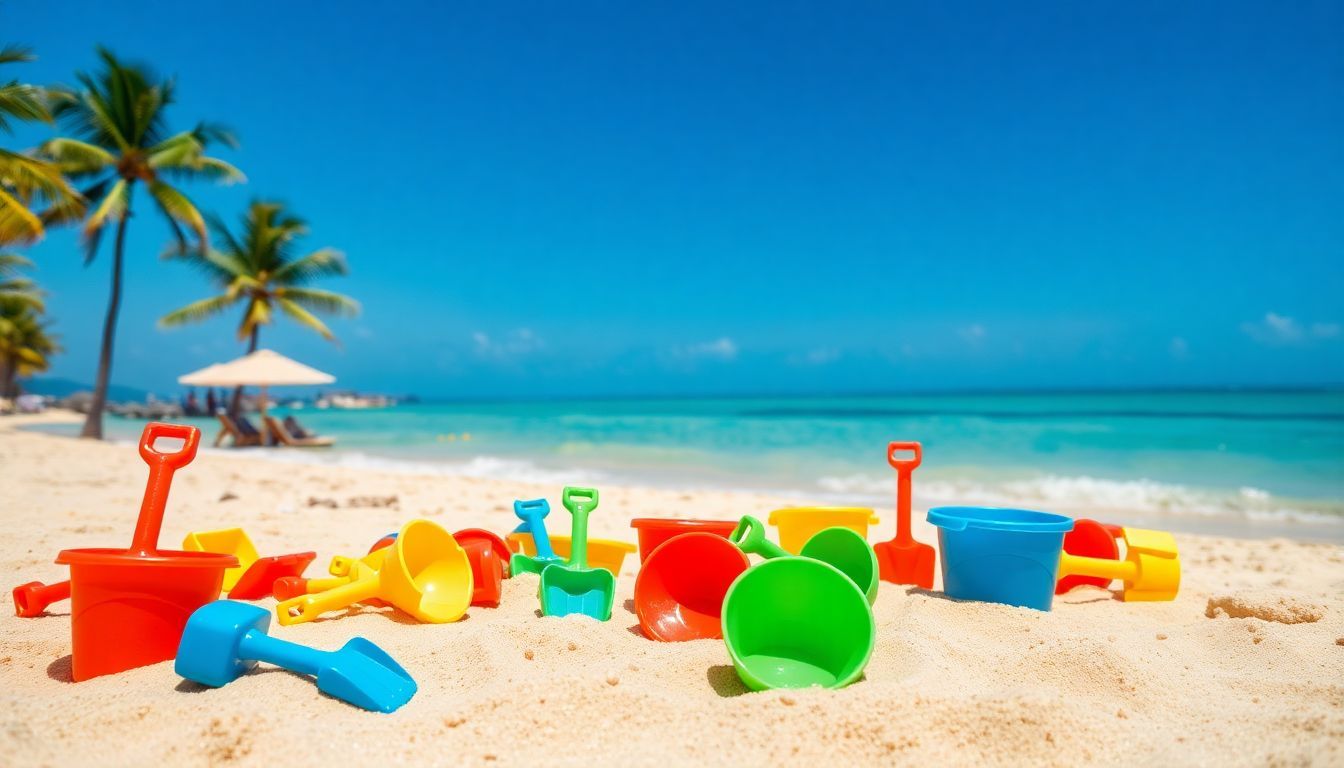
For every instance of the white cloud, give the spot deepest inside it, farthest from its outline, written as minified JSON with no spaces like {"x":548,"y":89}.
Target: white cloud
{"x":722,"y":348}
{"x":1179,"y":347}
{"x":515,"y":343}
{"x":973,"y":333}
{"x":1280,"y":330}
{"x":1325,"y":330}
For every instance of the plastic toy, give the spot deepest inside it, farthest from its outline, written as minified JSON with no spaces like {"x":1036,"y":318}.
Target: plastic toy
{"x":224,"y":640}
{"x":798,"y":524}
{"x":681,"y":585}
{"x":129,"y":606}
{"x":32,"y":599}
{"x":1151,"y":570}
{"x":1015,"y":557}
{"x":425,"y":573}
{"x":607,"y":554}
{"x":904,"y":560}
{"x":255,"y":576}
{"x":574,"y":587}
{"x":841,"y":548}
{"x":341,"y":570}
{"x":499,"y":545}
{"x":533,"y":514}
{"x":487,"y":565}
{"x":1089,"y":539}
{"x":653,"y":531}
{"x":795,"y":622}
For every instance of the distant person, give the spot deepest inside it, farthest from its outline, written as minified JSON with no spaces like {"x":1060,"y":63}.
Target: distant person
{"x":293,"y":427}
{"x":192,"y":406}
{"x":211,"y":405}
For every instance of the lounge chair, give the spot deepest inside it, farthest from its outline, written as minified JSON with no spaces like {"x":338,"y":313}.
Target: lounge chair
{"x":242,"y":431}
{"x":282,"y":436}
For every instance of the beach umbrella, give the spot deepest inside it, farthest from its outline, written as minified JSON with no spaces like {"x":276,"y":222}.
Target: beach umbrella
{"x":263,"y":368}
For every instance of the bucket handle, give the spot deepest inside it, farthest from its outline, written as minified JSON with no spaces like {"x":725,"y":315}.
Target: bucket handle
{"x":161,"y":469}
{"x":749,"y":536}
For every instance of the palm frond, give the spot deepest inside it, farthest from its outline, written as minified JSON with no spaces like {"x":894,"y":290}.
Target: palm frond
{"x":178,"y":208}
{"x":198,"y":311}
{"x":15,"y":54}
{"x":112,"y":207}
{"x":18,"y":225}
{"x":258,"y":313}
{"x":305,"y":318}
{"x":326,"y":262}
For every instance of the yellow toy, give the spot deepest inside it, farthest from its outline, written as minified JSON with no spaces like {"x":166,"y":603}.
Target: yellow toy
{"x":798,"y":524}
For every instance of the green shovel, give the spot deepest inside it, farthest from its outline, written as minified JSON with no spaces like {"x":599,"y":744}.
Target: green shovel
{"x":576,"y":588}
{"x":840,"y":547}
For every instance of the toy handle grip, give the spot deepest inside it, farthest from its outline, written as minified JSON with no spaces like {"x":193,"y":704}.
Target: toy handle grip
{"x":526,"y":510}
{"x":904,"y":469}
{"x":749,"y":536}
{"x":303,"y":608}
{"x":161,"y":468}
{"x":580,"y":502}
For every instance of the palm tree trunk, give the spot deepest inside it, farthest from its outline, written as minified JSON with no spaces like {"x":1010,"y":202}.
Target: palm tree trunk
{"x":93,"y":424}
{"x":237,"y":403}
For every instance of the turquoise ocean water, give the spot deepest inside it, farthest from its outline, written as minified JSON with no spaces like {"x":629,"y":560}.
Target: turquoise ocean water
{"x":1237,"y":463}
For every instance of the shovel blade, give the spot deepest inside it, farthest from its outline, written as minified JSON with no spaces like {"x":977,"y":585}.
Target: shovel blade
{"x":363,"y":674}
{"x":589,"y":591}
{"x":906,"y":564}
{"x":523,"y":564}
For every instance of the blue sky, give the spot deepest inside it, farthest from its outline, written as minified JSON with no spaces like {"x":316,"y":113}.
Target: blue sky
{"x":582,"y":198}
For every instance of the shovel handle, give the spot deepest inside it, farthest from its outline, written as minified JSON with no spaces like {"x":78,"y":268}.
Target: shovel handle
{"x":308,"y":607}
{"x":579,"y":502}
{"x":749,"y":536}
{"x":259,"y":646}
{"x":161,"y":469}
{"x":905,"y":469}
{"x":533,"y":514}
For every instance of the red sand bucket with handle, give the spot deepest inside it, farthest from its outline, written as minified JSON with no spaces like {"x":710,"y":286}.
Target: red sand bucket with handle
{"x":653,"y":531}
{"x":129,"y":606}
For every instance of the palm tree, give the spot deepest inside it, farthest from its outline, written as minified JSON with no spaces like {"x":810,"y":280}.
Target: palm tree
{"x":119,"y":116}
{"x":259,"y":268}
{"x":25,"y":180}
{"x":26,"y":346}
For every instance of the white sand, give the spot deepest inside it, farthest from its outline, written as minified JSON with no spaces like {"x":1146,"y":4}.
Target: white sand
{"x":1245,"y":667}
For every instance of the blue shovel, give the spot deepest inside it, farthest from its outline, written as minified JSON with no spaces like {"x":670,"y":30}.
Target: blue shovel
{"x":533,"y":514}
{"x":225,"y":639}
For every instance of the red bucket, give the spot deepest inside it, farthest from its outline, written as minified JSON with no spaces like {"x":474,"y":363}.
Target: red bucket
{"x":680,"y":589}
{"x":655,"y":530}
{"x":129,"y":606}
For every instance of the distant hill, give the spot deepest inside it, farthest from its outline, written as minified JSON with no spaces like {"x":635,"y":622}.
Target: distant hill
{"x":64,"y":387}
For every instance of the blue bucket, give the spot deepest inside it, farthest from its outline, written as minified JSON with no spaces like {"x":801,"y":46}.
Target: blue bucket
{"x":1007,"y":556}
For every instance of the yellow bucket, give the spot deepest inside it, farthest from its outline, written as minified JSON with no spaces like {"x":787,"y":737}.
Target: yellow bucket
{"x":798,"y":524}
{"x":226,"y":541}
{"x":602,"y":553}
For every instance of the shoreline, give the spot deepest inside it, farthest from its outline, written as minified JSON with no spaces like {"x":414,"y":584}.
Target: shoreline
{"x":1241,"y":512}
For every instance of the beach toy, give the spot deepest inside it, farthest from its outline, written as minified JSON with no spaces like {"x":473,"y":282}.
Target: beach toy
{"x":607,"y":554}
{"x":533,"y":514}
{"x":487,"y":564}
{"x":841,"y":548}
{"x":341,"y":570}
{"x":574,"y":587}
{"x":129,"y":606}
{"x":32,"y":599}
{"x":904,"y":560}
{"x":681,"y":585}
{"x":425,"y":573}
{"x":653,"y":531}
{"x":795,"y":622}
{"x":1015,"y":557}
{"x":1151,"y":570}
{"x":224,"y":640}
{"x":1089,"y":539}
{"x":798,"y":524}
{"x":255,"y":576}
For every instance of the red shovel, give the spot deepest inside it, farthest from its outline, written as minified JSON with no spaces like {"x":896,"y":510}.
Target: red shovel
{"x":904,"y":560}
